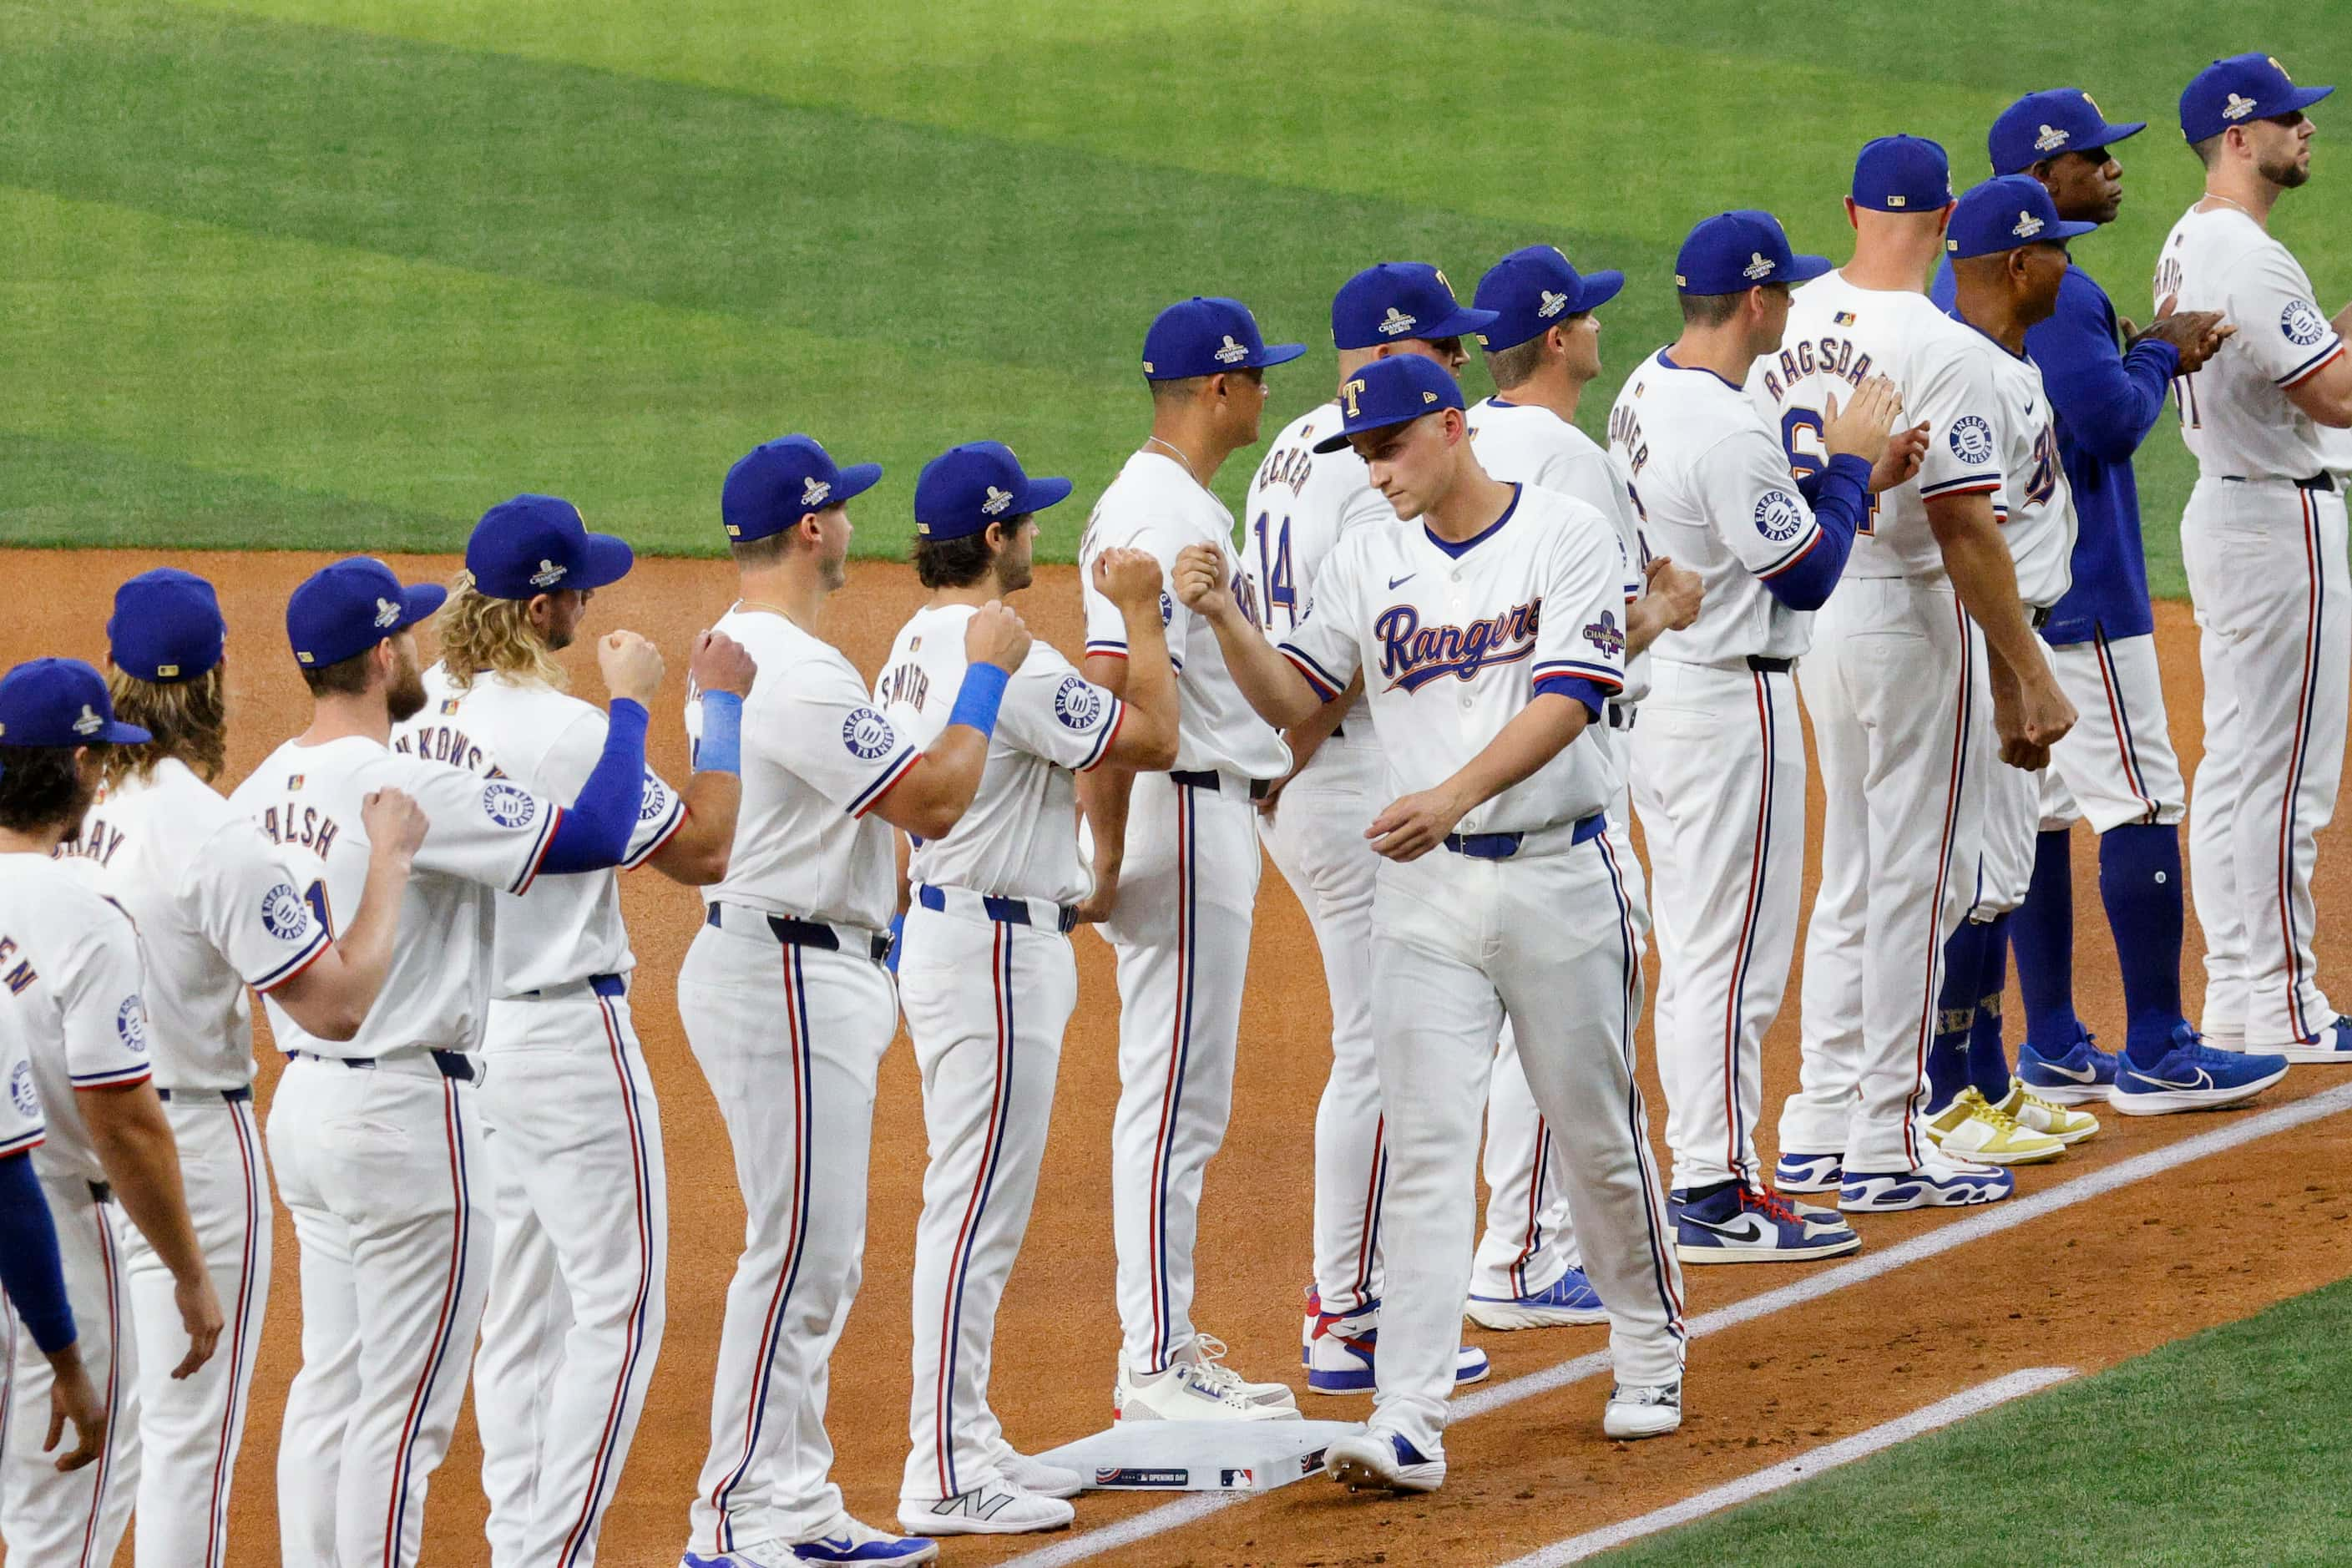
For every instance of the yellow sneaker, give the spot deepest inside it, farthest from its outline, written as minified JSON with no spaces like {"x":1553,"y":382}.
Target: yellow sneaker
{"x":1972,"y":1128}
{"x":2039,"y":1115}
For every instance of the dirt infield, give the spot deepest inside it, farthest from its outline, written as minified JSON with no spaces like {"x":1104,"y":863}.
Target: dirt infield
{"x":2119,"y":1274}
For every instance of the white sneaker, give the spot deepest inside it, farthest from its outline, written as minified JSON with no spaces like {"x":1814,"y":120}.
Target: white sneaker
{"x":1382,"y":1459}
{"x":1207,"y":1353}
{"x":996,"y":1508}
{"x":1188,"y":1391}
{"x":1033,"y":1474}
{"x":1635,"y":1413}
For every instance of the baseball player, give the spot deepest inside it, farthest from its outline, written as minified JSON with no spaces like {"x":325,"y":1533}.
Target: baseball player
{"x":579,"y":1197}
{"x":72,"y":1008}
{"x":1543,"y":349}
{"x":1300,"y":504}
{"x":32,"y":1279}
{"x":1889,"y":687}
{"x":1176,"y":864}
{"x":1484,"y":622}
{"x":376,"y":1137}
{"x":216,"y":910}
{"x":985,"y":971}
{"x":2106,"y":384}
{"x":1719,"y":771}
{"x":786,"y":1000}
{"x":2263,"y":538}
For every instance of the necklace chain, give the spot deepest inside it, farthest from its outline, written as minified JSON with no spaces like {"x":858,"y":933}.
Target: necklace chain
{"x":2218,"y":196}
{"x":1178,"y":453}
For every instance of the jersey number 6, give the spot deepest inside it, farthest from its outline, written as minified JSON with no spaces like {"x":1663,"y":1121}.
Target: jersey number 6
{"x":1809,"y":457}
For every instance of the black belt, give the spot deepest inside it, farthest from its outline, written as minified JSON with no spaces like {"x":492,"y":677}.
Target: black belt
{"x":1005,"y":912}
{"x":1619,"y":715}
{"x":229,"y":1095}
{"x":816,"y":934}
{"x":1762,"y":666}
{"x":1339,"y":732}
{"x":1503,"y":845}
{"x":1208,"y":779}
{"x":603,"y":984}
{"x":453,"y":1064}
{"x":2040,"y":619}
{"x":2322,"y":480}
{"x":101,"y":1193}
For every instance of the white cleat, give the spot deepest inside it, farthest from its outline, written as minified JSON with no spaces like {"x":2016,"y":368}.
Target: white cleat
{"x":1189,"y":1391}
{"x":997,"y":1508}
{"x":1381,"y":1461}
{"x":1035,"y":1475}
{"x":1636,"y":1413}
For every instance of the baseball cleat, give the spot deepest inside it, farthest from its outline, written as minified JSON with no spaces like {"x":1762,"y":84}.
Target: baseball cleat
{"x":1035,"y":1475}
{"x":2036,"y":1113}
{"x":1738,"y":1224}
{"x":1339,"y":1358}
{"x":759,"y":1555}
{"x":1938,"y":1182}
{"x":2192,"y":1076}
{"x":1570,"y":1298}
{"x":2076,"y":1077}
{"x":2332,"y":1044}
{"x":1636,"y":1413}
{"x":999,"y":1508}
{"x":1972,"y":1128}
{"x":1808,"y":1172}
{"x":1191,"y":1391}
{"x":1382,"y":1460}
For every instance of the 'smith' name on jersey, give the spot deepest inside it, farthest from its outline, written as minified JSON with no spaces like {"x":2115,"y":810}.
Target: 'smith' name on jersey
{"x":1824,"y":355}
{"x":1414,"y":655}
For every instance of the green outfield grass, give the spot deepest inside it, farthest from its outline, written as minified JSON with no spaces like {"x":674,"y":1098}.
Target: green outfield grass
{"x":2227,"y":1448}
{"x":339,"y":273}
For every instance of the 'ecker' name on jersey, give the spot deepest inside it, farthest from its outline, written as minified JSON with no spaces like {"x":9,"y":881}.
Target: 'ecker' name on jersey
{"x":1413,"y":655}
{"x":1287,"y":467}
{"x":1824,"y":355}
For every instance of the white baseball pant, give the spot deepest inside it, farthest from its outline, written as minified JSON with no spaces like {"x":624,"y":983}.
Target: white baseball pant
{"x":1889,"y":687}
{"x":2012,"y":808}
{"x":2116,"y":764}
{"x":73,"y":1521}
{"x":579,"y":1267}
{"x":1180,"y":931}
{"x":1719,"y":779}
{"x":190,"y":1430}
{"x":381,"y":1167}
{"x":790,"y":1039}
{"x":1315,"y":838}
{"x":986,"y":1002}
{"x":1461,"y":945}
{"x":2274,"y":601}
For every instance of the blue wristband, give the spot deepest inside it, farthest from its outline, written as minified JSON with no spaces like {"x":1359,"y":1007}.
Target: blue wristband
{"x":977,"y":698}
{"x":720,"y":750}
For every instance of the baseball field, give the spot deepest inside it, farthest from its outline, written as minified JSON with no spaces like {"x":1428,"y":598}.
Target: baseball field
{"x":286,"y":279}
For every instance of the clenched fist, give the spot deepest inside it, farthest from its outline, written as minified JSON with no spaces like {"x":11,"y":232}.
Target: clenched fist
{"x":395,"y":824}
{"x":1128,"y":579}
{"x":995,"y":636}
{"x":719,"y":663}
{"x":633,"y":666}
{"x":1203,"y":585}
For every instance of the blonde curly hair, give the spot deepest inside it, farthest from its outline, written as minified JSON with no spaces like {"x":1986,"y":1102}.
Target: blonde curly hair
{"x":189,"y":719}
{"x":483,"y":636}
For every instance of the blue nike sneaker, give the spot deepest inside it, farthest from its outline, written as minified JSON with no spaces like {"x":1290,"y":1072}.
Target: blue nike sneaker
{"x":1570,"y":1298}
{"x":2192,"y":1076}
{"x":2076,"y":1077}
{"x":1738,"y":1224}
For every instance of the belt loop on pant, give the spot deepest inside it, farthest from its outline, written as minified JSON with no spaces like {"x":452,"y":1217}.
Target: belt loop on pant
{"x":1763,"y":666}
{"x":225,"y":1096}
{"x":101,"y":1193}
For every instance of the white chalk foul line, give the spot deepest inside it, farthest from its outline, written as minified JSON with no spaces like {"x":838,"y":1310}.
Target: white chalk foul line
{"x":1829,"y":1457}
{"x":2242,"y":1127}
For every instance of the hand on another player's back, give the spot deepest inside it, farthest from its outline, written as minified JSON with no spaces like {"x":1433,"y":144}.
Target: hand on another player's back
{"x":633,"y":666}
{"x":1861,"y":428}
{"x":2195,"y":335}
{"x":1906,"y":449}
{"x":996,"y":636}
{"x":1202,"y":584}
{"x":1677,"y":590}
{"x":719,"y":663}
{"x":1128,"y":578}
{"x":396,"y":824}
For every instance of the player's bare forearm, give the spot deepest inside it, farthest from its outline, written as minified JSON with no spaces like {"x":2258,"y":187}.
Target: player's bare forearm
{"x":933,"y":796}
{"x":696,"y":854}
{"x":1147,"y":736}
{"x":1416,"y":824}
{"x":2326,"y":397}
{"x":332,"y":998}
{"x":1985,"y":576}
{"x":134,"y":1143}
{"x":1103,"y":795}
{"x":1266,"y":679}
{"x":1307,"y":739}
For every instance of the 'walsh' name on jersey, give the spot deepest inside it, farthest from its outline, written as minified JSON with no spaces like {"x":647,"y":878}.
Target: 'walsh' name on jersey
{"x":1824,"y":355}
{"x":304,"y":825}
{"x":1413,"y":655}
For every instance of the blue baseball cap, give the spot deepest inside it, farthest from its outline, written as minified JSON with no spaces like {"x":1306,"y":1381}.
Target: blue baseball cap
{"x":2044,"y":124}
{"x":347,"y":607}
{"x":966,"y":488}
{"x":166,"y":626}
{"x":1532,"y":290}
{"x":775,"y":484}
{"x":2241,"y":87}
{"x":1208,"y":335}
{"x":1733,"y":252}
{"x":536,"y":544}
{"x":1399,"y":299}
{"x":1902,"y":174}
{"x":60,"y":702}
{"x":1392,"y":391}
{"x":2004,"y":213}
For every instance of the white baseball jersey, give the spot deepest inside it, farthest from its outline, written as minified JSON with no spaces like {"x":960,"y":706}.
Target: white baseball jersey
{"x":2035,"y":506}
{"x":1839,"y":336}
{"x":817,"y":754}
{"x":1454,"y":639}
{"x":1716,"y":491}
{"x":1300,"y":502}
{"x":566,"y":929}
{"x":1156,"y":506}
{"x":1019,"y":837}
{"x":70,"y":1005}
{"x":217,"y":909}
{"x":2234,"y":412}
{"x":483,"y":837}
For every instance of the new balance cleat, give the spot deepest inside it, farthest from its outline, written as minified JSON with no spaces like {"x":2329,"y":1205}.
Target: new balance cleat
{"x":1381,"y":1460}
{"x":1738,"y":1224}
{"x":2192,"y":1076}
{"x":1808,"y":1172}
{"x":1339,"y":1357}
{"x":2037,"y":1114}
{"x":1637,"y":1413}
{"x":1033,"y":1474}
{"x":998,"y":1508}
{"x":1972,"y":1128}
{"x":2078,"y":1076}
{"x":1570,"y":1298}
{"x":1938,"y":1182}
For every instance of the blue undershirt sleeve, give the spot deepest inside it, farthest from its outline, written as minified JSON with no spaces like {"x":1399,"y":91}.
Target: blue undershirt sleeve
{"x":1840,"y":497}
{"x":1594,"y":697}
{"x":2106,"y":401}
{"x":595,"y":833}
{"x":30,"y":1267}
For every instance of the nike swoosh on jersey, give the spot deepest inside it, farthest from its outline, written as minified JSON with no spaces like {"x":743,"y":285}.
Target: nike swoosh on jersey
{"x":1396,"y":583}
